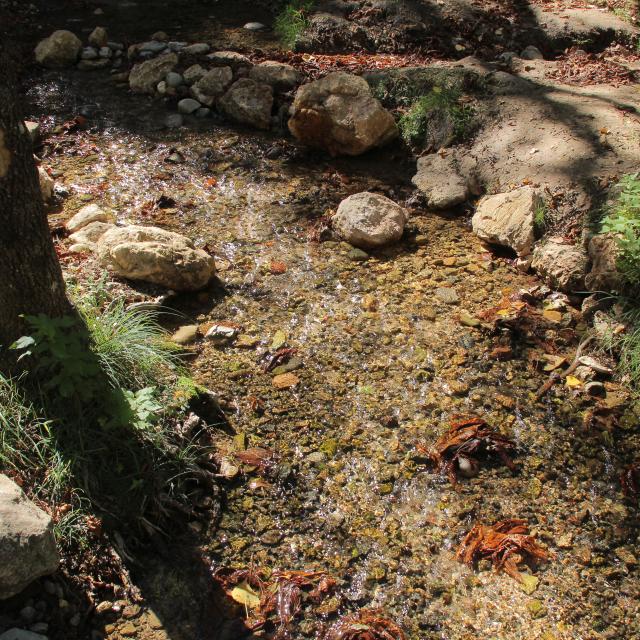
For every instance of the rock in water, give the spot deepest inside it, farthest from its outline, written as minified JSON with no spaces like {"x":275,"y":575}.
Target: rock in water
{"x":27,"y":545}
{"x":248,"y":102}
{"x":440,"y":181}
{"x":279,"y":75}
{"x":145,"y":76}
{"x":339,"y":114}
{"x":507,"y":219}
{"x":60,"y":49}
{"x":154,"y":255}
{"x":368,"y":220}
{"x":563,"y":266}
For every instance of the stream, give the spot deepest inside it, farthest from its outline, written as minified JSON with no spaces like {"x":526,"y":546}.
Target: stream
{"x":384,"y":364}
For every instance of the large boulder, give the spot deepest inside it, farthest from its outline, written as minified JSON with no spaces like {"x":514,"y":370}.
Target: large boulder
{"x":27,"y":545}
{"x":145,"y":76}
{"x":368,"y":220}
{"x":154,"y":255}
{"x":604,"y":253}
{"x":60,"y":49}
{"x":89,"y":234}
{"x":507,"y":219}
{"x":212,"y":85}
{"x":248,"y":102}
{"x":339,"y":114}
{"x":279,"y":75}
{"x":439,"y":179}
{"x":563,"y":266}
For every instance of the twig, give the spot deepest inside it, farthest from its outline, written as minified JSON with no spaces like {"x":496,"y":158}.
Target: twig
{"x":556,"y":377}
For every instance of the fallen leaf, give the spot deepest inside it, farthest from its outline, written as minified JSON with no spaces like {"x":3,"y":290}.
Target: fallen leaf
{"x":572,"y":382}
{"x":277,"y":267}
{"x":552,"y":315}
{"x":553,"y":362}
{"x":245,"y":595}
{"x":278,"y":341}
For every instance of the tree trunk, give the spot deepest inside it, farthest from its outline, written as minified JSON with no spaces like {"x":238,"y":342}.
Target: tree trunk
{"x":30,"y":275}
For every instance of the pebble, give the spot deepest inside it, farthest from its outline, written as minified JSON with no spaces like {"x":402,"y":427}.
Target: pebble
{"x":28,"y":613}
{"x":357,"y":255}
{"x":202,"y":112}
{"x":173,"y":79}
{"x":447,"y":295}
{"x":254,"y":26}
{"x":152,"y":47}
{"x":105,"y":52}
{"x":186,"y":334}
{"x":104,"y":606}
{"x":197,"y":49}
{"x":88,"y":53}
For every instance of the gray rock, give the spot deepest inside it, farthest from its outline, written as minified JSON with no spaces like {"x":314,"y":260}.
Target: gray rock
{"x":193,"y":74}
{"x":88,"y":53}
{"x":562,"y":266}
{"x":368,"y":220}
{"x":27,"y":545}
{"x":98,"y":37}
{"x":21,"y":634}
{"x":188,"y":105}
{"x":203,"y":112}
{"x":197,"y":49}
{"x":154,"y":255}
{"x":254,"y":26}
{"x":160,"y":36}
{"x":174,"y":121}
{"x":176,"y":46}
{"x":152,"y":46}
{"x":60,"y":49}
{"x":440,"y":180}
{"x":115,"y":46}
{"x":174,"y":79}
{"x":604,"y":275}
{"x":145,"y":76}
{"x":531,"y":53}
{"x":339,"y":114}
{"x":212,"y":85}
{"x":231,"y":59}
{"x":161,"y":87}
{"x":105,"y":52}
{"x":507,"y":219}
{"x":88,"y":214}
{"x":248,"y":102}
{"x":279,"y":75}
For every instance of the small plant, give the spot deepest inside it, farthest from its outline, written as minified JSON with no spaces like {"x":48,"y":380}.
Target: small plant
{"x":541,"y":218}
{"x":292,"y":20}
{"x":623,"y":219}
{"x":437,"y":119}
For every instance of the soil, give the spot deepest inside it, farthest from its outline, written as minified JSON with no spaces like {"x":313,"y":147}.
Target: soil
{"x":390,"y":346}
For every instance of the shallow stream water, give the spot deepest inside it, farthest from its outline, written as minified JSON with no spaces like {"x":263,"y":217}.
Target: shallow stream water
{"x":385,"y":365}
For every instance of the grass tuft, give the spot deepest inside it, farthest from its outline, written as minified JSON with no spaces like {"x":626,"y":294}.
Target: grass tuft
{"x":292,"y":21}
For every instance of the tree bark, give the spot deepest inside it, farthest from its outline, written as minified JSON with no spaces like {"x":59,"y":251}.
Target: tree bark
{"x":30,"y":276}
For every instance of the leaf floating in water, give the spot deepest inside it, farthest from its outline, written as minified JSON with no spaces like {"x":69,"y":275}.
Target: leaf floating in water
{"x":279,"y":340}
{"x":285,"y":381}
{"x":507,"y":543}
{"x":244,"y":594}
{"x":457,"y":450}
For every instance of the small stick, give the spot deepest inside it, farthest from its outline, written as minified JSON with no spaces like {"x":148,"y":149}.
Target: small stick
{"x":556,"y":377}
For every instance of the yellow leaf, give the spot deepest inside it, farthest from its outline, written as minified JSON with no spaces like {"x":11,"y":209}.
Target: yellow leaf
{"x":552,"y":314}
{"x":244,"y":594}
{"x":528,"y":583}
{"x":573,"y":383}
{"x":553,"y":362}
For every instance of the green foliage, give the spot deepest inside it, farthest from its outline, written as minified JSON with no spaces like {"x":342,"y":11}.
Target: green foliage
{"x":541,"y":218}
{"x":291,"y":21}
{"x":443,"y":105}
{"x":113,"y":390}
{"x":623,"y":219}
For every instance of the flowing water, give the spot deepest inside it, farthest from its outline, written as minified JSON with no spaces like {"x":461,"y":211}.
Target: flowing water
{"x":385,"y":365}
